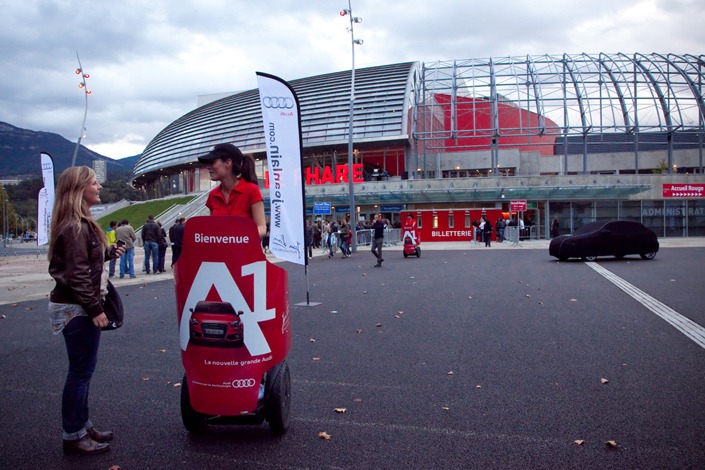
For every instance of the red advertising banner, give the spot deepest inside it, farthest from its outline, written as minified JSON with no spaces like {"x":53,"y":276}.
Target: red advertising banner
{"x":687,"y":190}
{"x":517,"y":205}
{"x":233,"y":313}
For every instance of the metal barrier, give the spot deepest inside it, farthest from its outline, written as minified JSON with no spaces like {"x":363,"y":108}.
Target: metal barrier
{"x":392,"y":236}
{"x":515,"y":234}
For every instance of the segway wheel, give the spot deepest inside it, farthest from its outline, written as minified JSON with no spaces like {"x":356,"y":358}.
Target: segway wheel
{"x":279,"y":402}
{"x":406,"y":255}
{"x":194,"y":422}
{"x":418,"y":252}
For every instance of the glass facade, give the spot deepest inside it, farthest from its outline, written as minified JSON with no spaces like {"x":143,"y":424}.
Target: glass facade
{"x":669,"y":218}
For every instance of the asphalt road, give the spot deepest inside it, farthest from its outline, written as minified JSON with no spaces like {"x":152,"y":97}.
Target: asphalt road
{"x":483,"y":359}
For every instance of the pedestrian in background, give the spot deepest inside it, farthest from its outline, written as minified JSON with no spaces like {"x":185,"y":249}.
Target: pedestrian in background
{"x":77,"y":254}
{"x":163,"y":244}
{"x":176,"y":236}
{"x":378,"y":239}
{"x":151,"y":233}
{"x":126,"y":234}
{"x":112,"y":239}
{"x":486,"y":231}
{"x":501,"y":224}
{"x":344,"y":238}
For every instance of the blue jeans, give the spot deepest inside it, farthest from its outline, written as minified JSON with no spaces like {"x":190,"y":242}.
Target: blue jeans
{"x":151,"y":249}
{"x":127,"y":262}
{"x":82,"y":339}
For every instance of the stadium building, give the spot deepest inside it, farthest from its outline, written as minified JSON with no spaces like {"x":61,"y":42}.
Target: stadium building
{"x":575,"y":138}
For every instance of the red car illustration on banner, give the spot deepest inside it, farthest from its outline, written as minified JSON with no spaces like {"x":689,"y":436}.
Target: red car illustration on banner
{"x":216,"y":324}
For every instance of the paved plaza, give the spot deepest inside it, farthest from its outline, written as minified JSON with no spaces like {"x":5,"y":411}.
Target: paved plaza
{"x":467,"y":357}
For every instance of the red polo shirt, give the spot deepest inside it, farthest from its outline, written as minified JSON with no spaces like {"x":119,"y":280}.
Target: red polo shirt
{"x":240,"y":202}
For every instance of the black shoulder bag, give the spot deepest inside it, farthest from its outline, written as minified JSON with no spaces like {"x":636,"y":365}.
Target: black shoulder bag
{"x":112,"y":307}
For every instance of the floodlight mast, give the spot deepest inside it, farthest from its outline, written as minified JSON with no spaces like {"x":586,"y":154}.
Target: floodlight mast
{"x":351,"y":186}
{"x":82,"y":85}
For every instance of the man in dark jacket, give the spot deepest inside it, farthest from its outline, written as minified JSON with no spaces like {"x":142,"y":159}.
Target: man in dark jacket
{"x":151,"y":232}
{"x":176,"y":237}
{"x":378,"y":239}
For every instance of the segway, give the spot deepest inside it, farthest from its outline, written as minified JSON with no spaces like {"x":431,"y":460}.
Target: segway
{"x":234,"y":327}
{"x":411,"y":241}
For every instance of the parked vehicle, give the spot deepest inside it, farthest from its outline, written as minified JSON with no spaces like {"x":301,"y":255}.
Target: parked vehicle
{"x":616,"y":238}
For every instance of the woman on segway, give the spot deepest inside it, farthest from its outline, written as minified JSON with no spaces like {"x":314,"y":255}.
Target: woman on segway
{"x":237,"y":193}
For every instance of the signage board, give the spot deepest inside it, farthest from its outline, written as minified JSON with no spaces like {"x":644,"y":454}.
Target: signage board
{"x":686,"y":190}
{"x":517,"y":205}
{"x":321,"y":208}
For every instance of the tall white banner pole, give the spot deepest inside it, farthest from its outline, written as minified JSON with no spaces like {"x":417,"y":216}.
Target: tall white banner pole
{"x":45,"y":201}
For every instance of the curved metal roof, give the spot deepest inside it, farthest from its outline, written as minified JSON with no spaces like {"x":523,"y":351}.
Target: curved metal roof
{"x":382,"y":101}
{"x":579,"y":96}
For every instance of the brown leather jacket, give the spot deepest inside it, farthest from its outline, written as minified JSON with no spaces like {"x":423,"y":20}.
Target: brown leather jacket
{"x":77,"y":265}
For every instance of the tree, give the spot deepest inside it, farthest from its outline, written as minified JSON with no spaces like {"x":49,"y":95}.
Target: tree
{"x":661,"y":168}
{"x":7,"y":213}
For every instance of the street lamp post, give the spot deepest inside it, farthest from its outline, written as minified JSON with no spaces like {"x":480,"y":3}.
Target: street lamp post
{"x":351,"y":186}
{"x":82,"y":85}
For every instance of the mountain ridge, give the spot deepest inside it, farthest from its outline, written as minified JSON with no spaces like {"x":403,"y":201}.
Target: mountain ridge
{"x":20,"y":154}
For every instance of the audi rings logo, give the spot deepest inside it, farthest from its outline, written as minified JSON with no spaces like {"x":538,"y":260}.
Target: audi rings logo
{"x":244,"y":383}
{"x":277,"y":102}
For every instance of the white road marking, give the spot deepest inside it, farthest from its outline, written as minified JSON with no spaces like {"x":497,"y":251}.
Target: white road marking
{"x":683,"y":324}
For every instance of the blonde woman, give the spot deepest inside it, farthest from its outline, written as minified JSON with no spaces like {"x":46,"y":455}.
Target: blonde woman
{"x":78,"y":251}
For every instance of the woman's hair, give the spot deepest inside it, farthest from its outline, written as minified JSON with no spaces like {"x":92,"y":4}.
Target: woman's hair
{"x":246,"y":169}
{"x":243,"y":165}
{"x":69,"y":206}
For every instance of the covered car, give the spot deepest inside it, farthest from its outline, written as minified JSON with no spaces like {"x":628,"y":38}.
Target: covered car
{"x":616,"y":238}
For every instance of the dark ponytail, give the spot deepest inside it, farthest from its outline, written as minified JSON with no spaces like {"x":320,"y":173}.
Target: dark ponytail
{"x":247,"y":169}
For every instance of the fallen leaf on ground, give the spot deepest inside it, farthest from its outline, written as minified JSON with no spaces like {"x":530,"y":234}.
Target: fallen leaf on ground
{"x":176,"y":385}
{"x":573,"y":300}
{"x":580,"y":442}
{"x":145,"y":378}
{"x":445,"y":408}
{"x":115,"y":467}
{"x":324,"y":435}
{"x":340,"y":410}
{"x":358,"y":331}
{"x":604,"y":381}
{"x":611,"y":444}
{"x":450,"y":372}
{"x":312,"y":340}
{"x":162,"y":350}
{"x":378,"y":325}
{"x":316,"y":358}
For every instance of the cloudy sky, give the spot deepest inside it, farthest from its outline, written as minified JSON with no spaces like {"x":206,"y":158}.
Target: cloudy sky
{"x":150,"y":60}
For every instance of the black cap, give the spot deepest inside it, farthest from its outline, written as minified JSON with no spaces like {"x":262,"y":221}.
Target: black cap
{"x":223,"y":151}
